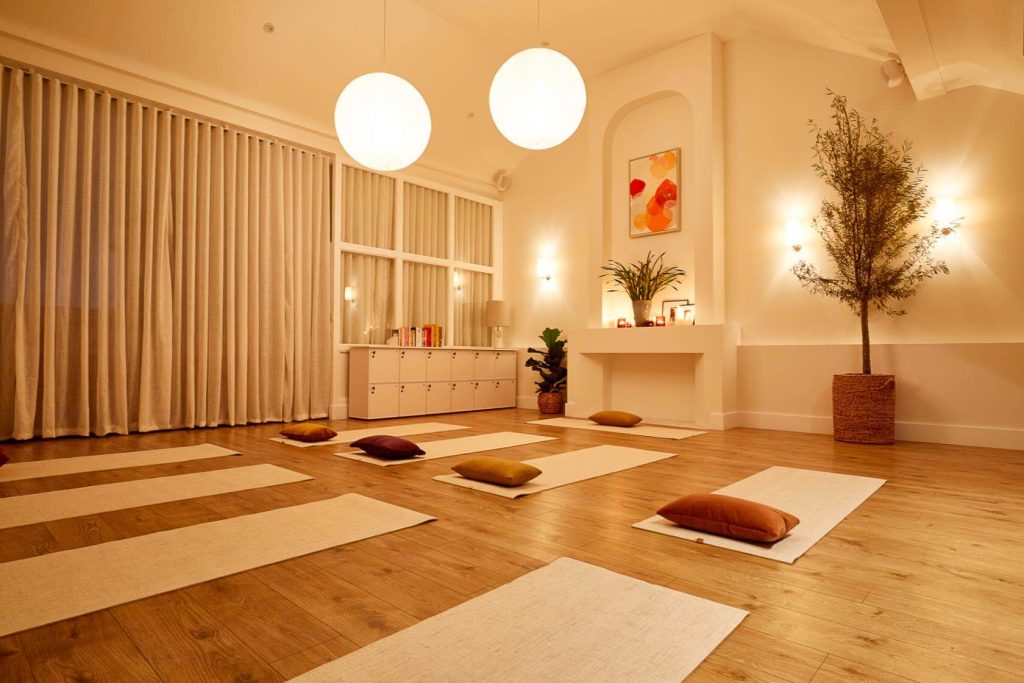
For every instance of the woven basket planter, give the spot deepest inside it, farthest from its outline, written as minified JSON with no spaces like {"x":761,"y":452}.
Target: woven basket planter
{"x":551,"y":402}
{"x":864,"y":408}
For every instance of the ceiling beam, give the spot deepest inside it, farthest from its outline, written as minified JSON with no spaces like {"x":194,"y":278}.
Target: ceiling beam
{"x":909,"y":31}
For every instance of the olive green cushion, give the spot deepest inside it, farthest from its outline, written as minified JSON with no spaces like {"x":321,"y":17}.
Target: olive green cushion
{"x":615,"y":418}
{"x":497,"y":471}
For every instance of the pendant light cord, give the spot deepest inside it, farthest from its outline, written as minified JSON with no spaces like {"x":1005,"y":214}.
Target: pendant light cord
{"x":538,"y":22}
{"x":384,"y":48}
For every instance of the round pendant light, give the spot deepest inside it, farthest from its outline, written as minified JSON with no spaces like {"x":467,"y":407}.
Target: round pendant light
{"x":382,"y":121}
{"x":538,"y":98}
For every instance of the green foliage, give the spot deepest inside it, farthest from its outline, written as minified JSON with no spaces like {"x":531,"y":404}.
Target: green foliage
{"x":866,"y":228}
{"x":643,"y":279}
{"x":551,"y":364}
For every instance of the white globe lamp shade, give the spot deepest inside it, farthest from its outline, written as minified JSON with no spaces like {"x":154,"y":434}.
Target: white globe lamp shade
{"x":382,"y":121}
{"x":538,"y":98}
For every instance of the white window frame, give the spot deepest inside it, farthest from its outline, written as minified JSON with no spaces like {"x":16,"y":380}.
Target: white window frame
{"x":399,"y":256}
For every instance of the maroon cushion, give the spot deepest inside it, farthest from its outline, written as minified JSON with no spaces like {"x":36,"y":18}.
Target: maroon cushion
{"x":3,"y":457}
{"x":388,"y":447}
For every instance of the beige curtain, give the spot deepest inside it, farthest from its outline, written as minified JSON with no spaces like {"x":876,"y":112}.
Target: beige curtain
{"x":368,"y":208}
{"x":426,"y":221}
{"x":470,"y":302}
{"x":425,"y":294}
{"x":368,"y":313}
{"x":473,"y":232}
{"x":158,"y":271}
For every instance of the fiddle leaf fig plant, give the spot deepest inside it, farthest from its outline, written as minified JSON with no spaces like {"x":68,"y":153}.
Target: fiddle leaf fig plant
{"x":551,"y":364}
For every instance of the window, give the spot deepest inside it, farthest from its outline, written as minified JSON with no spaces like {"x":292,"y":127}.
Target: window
{"x":413,"y":255}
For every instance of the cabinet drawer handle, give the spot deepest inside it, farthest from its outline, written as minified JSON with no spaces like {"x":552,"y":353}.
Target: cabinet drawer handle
{"x":373,"y":354}
{"x":403,"y":354}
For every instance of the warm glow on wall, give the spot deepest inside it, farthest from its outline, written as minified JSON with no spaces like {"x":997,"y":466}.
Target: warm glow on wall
{"x":795,"y":233}
{"x":946,"y":214}
{"x":350,"y":294}
{"x":545,"y":268}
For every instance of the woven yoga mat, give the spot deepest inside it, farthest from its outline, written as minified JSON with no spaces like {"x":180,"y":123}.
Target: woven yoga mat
{"x":638,"y":430}
{"x":34,"y":469}
{"x":394,"y":430}
{"x":445,"y":448}
{"x":566,"y":468}
{"x":569,"y":621}
{"x":820,"y":500}
{"x":89,"y":500}
{"x":47,"y":588}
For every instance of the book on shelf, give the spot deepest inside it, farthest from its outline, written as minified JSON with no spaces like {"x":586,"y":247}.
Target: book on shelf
{"x":429,"y":336}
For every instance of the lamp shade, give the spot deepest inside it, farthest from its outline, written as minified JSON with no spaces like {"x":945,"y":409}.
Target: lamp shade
{"x":497,"y":314}
{"x":538,"y":98}
{"x":382,"y":121}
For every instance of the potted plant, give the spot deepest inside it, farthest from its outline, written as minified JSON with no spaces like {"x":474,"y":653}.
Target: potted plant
{"x":877,"y":259}
{"x":642,"y":280}
{"x":552,"y":370}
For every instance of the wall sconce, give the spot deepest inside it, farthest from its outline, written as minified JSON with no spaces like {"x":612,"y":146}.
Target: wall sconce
{"x":545,"y":268}
{"x":457,"y":281}
{"x":350,"y":294}
{"x":795,"y":234}
{"x":946,"y":215}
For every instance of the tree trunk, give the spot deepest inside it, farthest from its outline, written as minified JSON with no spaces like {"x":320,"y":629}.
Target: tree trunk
{"x":865,"y":338}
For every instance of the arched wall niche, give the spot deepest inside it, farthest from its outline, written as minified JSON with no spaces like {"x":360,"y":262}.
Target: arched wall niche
{"x":652,"y":124}
{"x":691,"y":71}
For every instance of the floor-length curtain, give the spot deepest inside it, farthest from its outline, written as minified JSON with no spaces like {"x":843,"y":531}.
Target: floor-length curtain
{"x":470,"y":303}
{"x":158,"y":271}
{"x":425,"y":299}
{"x":473,"y":231}
{"x":426,"y":221}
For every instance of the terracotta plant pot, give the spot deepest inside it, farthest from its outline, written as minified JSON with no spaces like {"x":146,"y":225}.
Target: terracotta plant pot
{"x":551,"y":403}
{"x":642,"y":312}
{"x":864,"y":408}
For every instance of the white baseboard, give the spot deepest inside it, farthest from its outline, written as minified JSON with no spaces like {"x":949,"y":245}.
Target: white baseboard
{"x":529,"y":401}
{"x":960,"y":435}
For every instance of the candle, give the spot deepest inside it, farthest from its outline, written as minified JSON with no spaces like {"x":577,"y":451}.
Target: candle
{"x":659,"y":321}
{"x":621,"y":322}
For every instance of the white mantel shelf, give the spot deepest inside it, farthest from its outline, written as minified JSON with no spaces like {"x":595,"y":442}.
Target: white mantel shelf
{"x":714,"y":371}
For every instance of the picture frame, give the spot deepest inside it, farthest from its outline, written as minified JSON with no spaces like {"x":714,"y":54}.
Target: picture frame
{"x":653,"y":186}
{"x":679,"y":312}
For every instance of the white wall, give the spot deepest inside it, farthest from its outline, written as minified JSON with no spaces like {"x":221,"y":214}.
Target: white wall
{"x":958,"y":353}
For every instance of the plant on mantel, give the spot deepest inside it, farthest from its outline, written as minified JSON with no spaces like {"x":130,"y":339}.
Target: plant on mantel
{"x":642,"y":280}
{"x":877,"y":258}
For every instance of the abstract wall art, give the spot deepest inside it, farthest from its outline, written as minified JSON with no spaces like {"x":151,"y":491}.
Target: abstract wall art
{"x":654,"y":194}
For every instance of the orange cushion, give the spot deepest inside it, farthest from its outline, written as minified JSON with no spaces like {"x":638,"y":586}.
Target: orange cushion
{"x":497,"y":470}
{"x":615,"y":418}
{"x":309,"y":432}
{"x":728,"y":516}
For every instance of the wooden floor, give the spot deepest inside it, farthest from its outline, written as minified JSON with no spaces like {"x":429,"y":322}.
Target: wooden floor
{"x":923,"y":582}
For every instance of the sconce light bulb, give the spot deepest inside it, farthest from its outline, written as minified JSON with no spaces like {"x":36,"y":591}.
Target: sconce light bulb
{"x":797,"y":247}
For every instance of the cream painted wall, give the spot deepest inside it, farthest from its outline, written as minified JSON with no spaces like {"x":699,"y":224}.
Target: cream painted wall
{"x":958,"y":353}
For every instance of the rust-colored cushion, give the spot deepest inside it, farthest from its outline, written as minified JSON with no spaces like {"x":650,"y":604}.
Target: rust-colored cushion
{"x":615,"y":418}
{"x":728,"y":516}
{"x":388,"y":447}
{"x":497,"y":470}
{"x":309,"y":432}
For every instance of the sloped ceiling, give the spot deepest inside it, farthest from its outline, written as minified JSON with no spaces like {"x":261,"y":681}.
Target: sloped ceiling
{"x":448,"y":48}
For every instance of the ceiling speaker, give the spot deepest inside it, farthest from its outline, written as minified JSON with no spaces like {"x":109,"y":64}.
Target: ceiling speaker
{"x":893,"y":72}
{"x":501,"y":180}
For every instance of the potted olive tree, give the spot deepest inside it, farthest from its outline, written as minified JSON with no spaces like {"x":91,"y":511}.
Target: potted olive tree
{"x":642,"y":280}
{"x":553,"y":373}
{"x":876,"y":256}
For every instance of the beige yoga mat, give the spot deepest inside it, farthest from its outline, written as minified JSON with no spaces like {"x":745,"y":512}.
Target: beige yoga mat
{"x":89,"y":500}
{"x":394,"y":430}
{"x":445,"y":448}
{"x":569,"y":622}
{"x":34,"y":469}
{"x":639,"y":430}
{"x":819,"y":499}
{"x":567,"y":468}
{"x":47,"y":588}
